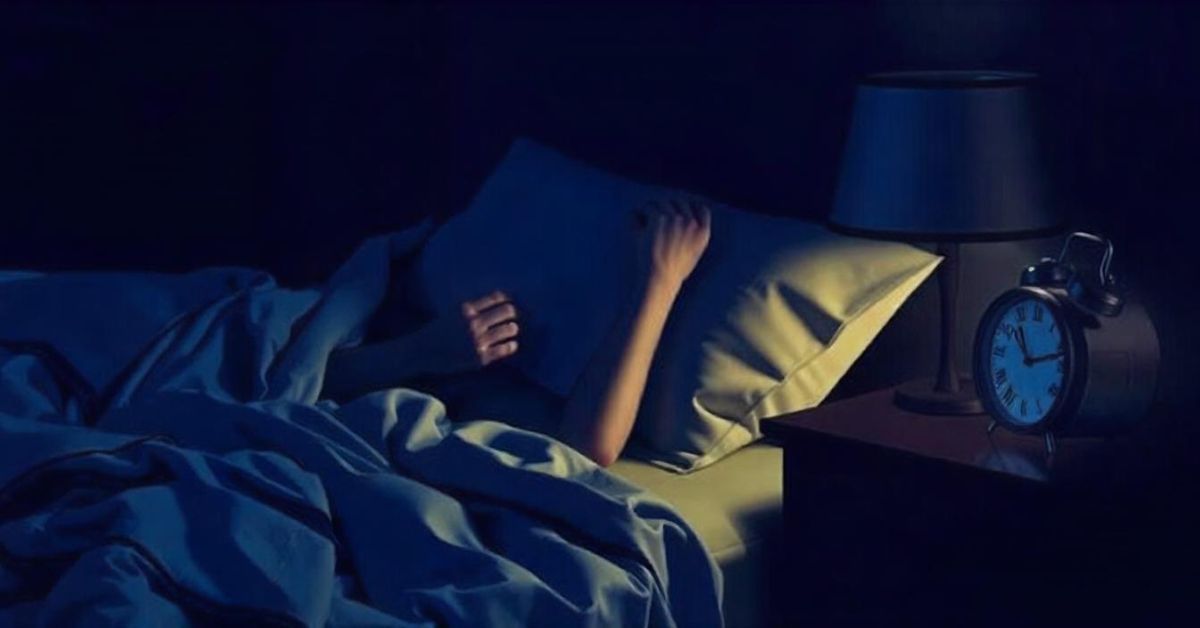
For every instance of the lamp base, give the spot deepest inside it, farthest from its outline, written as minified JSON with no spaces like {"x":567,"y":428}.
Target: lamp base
{"x":919,"y":396}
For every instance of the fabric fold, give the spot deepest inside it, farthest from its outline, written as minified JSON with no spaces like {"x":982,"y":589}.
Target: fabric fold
{"x":209,"y":483}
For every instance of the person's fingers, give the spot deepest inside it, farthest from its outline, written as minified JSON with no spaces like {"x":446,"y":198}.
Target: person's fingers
{"x":647,"y":211}
{"x":689,"y":207}
{"x":662,"y":223}
{"x":673,"y":209}
{"x":498,"y":333}
{"x":498,"y":352}
{"x":473,"y":308}
{"x":704,"y":214}
{"x":493,"y":317}
{"x":675,"y":220}
{"x":682,"y":211}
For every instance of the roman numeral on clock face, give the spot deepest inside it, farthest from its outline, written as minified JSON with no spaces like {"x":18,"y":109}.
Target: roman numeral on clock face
{"x":1026,"y":360}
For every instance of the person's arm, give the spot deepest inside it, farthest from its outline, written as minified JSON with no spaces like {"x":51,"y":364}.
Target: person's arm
{"x":485,"y":332}
{"x":600,"y":411}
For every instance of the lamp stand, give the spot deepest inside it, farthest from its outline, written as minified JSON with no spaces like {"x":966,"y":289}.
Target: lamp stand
{"x":950,"y":393}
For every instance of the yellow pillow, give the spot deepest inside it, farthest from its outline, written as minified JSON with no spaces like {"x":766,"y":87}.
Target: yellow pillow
{"x":775,"y":314}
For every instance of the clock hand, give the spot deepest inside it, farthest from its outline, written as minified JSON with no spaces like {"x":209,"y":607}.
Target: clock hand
{"x":1043,"y":358}
{"x":1021,"y":342}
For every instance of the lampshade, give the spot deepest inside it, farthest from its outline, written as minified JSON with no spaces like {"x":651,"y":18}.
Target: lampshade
{"x":943,"y":156}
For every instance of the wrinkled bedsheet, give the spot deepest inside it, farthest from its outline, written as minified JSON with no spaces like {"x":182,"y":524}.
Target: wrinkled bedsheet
{"x":166,"y":460}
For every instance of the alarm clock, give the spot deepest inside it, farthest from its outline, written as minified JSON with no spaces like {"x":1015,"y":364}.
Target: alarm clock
{"x":1066,"y":353}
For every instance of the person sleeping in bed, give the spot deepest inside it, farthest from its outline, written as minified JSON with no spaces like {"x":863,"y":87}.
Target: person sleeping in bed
{"x":598,"y":415}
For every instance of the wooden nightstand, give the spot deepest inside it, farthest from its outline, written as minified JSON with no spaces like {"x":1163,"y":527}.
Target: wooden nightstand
{"x":894,"y":517}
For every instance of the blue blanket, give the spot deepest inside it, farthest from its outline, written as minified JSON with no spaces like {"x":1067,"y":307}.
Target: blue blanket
{"x":166,"y":460}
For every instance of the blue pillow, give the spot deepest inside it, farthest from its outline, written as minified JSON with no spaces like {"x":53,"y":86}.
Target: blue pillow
{"x":555,"y":234}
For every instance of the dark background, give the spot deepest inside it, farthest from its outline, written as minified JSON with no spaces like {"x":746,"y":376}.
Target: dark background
{"x":279,"y":135}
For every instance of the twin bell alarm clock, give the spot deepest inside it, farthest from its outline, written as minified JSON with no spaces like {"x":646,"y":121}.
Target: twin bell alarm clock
{"x":1066,"y":353}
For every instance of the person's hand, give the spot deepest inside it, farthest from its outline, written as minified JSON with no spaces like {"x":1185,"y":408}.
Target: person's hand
{"x":485,"y":331}
{"x":678,"y":232}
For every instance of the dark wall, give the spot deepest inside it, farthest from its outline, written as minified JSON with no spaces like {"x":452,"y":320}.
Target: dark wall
{"x":279,"y":135}
{"x":131,"y":139}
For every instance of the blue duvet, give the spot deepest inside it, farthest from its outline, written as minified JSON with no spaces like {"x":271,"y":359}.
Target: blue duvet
{"x":166,"y":460}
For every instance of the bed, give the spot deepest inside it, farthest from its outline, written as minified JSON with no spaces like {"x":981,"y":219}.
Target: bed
{"x":736,"y":507}
{"x":219,"y":373}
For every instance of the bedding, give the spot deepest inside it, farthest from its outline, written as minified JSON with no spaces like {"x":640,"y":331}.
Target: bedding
{"x":201,"y":479}
{"x":774,"y":315}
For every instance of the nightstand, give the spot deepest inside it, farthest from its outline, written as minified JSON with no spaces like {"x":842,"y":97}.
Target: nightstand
{"x":892,"y":517}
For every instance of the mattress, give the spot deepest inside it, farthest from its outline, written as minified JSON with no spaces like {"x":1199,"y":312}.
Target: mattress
{"x":736,"y":506}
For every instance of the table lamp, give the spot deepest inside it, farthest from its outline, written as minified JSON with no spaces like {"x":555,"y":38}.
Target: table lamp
{"x":943,"y":157}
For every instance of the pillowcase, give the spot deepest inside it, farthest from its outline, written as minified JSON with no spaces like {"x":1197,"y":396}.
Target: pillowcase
{"x":774,"y":315}
{"x":558,"y":237}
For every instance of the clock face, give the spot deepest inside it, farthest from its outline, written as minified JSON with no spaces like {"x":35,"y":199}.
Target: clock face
{"x":1028,"y":361}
